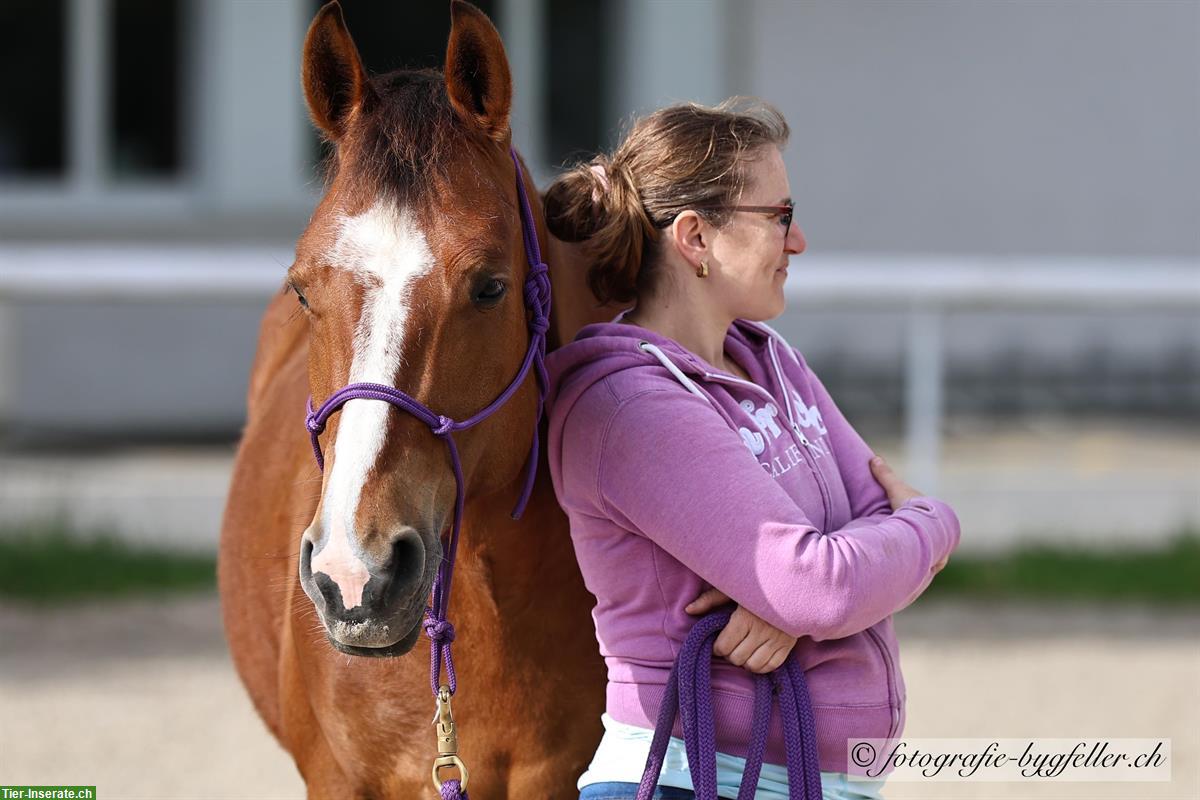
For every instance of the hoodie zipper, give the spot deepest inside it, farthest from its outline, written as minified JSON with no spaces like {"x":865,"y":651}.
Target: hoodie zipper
{"x":822,"y":486}
{"x":893,"y":691}
{"x":809,"y":459}
{"x":889,"y":667}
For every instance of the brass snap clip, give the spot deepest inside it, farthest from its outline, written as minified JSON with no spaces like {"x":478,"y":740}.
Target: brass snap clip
{"x":447,"y":738}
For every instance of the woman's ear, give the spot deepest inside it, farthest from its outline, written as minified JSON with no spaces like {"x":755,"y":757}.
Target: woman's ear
{"x":691,"y":235}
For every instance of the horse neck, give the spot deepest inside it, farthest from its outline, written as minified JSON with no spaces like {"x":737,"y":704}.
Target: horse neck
{"x":502,"y":563}
{"x":573,"y":305}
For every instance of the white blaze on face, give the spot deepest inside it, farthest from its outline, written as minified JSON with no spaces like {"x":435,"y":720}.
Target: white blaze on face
{"x":388,"y":253}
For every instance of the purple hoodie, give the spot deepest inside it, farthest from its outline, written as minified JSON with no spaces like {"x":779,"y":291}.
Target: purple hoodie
{"x":677,"y":476}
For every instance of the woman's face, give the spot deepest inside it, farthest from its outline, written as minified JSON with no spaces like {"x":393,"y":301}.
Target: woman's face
{"x":750,"y":252}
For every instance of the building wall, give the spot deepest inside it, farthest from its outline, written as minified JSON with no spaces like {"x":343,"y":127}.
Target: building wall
{"x":1047,"y":128}
{"x":1032,"y":127}
{"x":988,"y":127}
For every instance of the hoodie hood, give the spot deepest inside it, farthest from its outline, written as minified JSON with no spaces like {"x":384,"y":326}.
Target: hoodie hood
{"x":604,"y":348}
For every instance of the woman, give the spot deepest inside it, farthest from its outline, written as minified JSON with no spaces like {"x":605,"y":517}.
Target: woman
{"x":700,"y":460}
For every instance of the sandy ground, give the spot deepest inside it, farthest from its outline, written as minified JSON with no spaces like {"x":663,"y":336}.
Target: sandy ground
{"x":140,"y":699}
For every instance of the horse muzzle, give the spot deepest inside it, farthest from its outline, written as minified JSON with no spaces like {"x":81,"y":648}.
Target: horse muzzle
{"x":367,"y":606}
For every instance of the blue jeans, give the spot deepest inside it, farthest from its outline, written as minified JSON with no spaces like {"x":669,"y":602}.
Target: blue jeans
{"x":614,"y":790}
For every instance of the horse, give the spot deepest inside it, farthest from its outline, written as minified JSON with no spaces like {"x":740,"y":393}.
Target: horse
{"x":401,"y":277}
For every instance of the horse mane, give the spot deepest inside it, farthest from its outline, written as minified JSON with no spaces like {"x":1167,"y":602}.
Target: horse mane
{"x":401,"y":143}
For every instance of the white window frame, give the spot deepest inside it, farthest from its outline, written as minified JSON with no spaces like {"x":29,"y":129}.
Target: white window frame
{"x":212,"y":175}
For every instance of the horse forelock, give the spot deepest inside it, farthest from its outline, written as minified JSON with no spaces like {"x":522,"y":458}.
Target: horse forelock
{"x":403,"y":142}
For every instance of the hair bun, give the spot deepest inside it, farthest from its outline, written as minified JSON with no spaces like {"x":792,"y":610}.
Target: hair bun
{"x":602,"y":179}
{"x":598,"y":203}
{"x":572,"y":204}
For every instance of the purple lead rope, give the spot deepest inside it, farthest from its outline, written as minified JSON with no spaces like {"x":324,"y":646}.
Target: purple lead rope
{"x":689,"y":691}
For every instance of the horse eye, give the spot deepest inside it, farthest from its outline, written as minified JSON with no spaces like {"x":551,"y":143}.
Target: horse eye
{"x":299,"y":295}
{"x":492,"y":291}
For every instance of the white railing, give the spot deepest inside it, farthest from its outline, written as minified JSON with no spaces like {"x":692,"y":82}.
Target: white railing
{"x":92,"y":271}
{"x":924,"y":288}
{"x":927,"y":288}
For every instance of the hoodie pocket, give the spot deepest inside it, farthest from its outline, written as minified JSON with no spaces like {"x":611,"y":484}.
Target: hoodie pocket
{"x":852,"y":672}
{"x":892,"y":671}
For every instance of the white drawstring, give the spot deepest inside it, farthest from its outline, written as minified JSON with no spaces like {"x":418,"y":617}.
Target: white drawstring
{"x":670,"y":365}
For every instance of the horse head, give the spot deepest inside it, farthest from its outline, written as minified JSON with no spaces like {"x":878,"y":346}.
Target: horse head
{"x":410,"y":273}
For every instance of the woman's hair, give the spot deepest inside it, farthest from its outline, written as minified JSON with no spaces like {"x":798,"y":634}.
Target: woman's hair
{"x":676,"y":158}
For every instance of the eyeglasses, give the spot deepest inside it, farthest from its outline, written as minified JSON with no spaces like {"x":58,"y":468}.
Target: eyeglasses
{"x":784,"y":212}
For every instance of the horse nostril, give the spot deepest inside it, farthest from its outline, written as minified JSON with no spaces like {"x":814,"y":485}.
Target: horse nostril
{"x":306,"y":549}
{"x":407,"y":560}
{"x":324,"y":585}
{"x":329,"y":590}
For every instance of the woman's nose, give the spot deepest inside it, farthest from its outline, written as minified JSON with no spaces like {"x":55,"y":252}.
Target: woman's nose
{"x":795,"y":241}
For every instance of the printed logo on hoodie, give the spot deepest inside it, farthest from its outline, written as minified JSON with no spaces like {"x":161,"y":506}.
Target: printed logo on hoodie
{"x":764,"y":419}
{"x":809,"y":417}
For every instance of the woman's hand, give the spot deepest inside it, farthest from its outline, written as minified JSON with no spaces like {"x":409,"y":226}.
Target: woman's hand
{"x":898,"y":491}
{"x":746,"y":641}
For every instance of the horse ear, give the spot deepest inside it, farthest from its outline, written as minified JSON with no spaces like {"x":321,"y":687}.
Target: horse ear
{"x":477,"y":77}
{"x":335,"y":83}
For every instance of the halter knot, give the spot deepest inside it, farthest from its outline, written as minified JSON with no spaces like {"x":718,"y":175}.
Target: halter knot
{"x":537,"y":296}
{"x":537,"y":286}
{"x":539,"y":323}
{"x":445,"y":424}
{"x":438,"y":630}
{"x":313,"y":424}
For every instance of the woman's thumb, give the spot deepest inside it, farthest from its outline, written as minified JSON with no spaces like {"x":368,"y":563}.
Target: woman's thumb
{"x":708,"y":599}
{"x":886,"y":476}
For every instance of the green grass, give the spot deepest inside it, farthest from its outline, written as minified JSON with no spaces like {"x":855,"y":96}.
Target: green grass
{"x":1167,"y":575}
{"x":47,"y":565}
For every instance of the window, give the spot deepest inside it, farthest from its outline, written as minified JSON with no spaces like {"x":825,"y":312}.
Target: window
{"x":144,"y":107}
{"x":576,"y":52}
{"x":92,"y":89}
{"x":32,"y":133}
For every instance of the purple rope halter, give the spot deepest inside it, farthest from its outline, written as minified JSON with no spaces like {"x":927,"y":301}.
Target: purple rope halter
{"x":689,"y":691}
{"x":537,"y":301}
